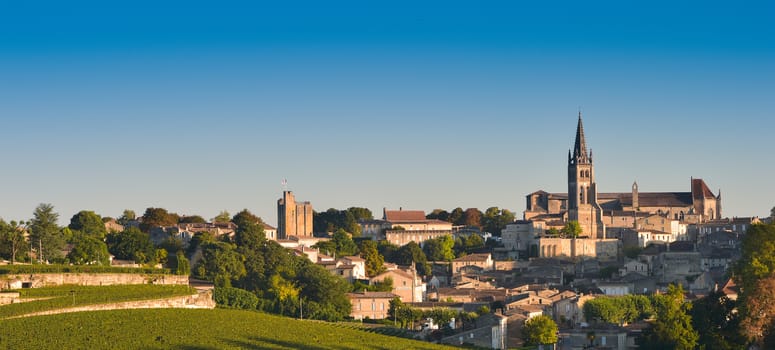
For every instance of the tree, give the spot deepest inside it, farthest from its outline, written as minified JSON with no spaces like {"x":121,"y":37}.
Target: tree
{"x":473,"y":217}
{"x":220,"y":263}
{"x":44,"y":233}
{"x":717,"y":322}
{"x":439,"y":248}
{"x":539,"y":330}
{"x":156,"y":217}
{"x":128,"y":216}
{"x":88,"y":250}
{"x":572,"y":229}
{"x":12,"y":242}
{"x":411,"y":254}
{"x":182,"y":266}
{"x":456,"y":217}
{"x":222,"y":217}
{"x":89,"y":223}
{"x":495,"y":219}
{"x":131,"y":244}
{"x":755,"y":274}
{"x":345,"y":246}
{"x":438,"y":214}
{"x":672,"y":328}
{"x":374,"y":261}
{"x":193,"y":219}
{"x":245,"y":218}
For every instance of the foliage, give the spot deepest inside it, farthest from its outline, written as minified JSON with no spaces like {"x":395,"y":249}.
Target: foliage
{"x":220,"y":263}
{"x":71,"y":295}
{"x":126,"y":217}
{"x":245,"y":218}
{"x":193,"y":219}
{"x":539,"y":330}
{"x":131,"y":244}
{"x":672,"y":328}
{"x":618,"y":310}
{"x":495,"y":219}
{"x":332,"y":220}
{"x":89,"y":223}
{"x":190,"y":329}
{"x":755,"y":274}
{"x":457,"y":217}
{"x":13,"y":245}
{"x":375,"y":262}
{"x":472,"y":217}
{"x":717,"y":322}
{"x":438,"y":214}
{"x":182,"y":265}
{"x":235,"y":298}
{"x":45,"y":233}
{"x":411,"y":254}
{"x":439,"y":248}
{"x":385,"y":285}
{"x":58,"y":268}
{"x":154,"y":217}
{"x":572,"y":229}
{"x":222,"y":217}
{"x":88,"y":250}
{"x":341,"y":244}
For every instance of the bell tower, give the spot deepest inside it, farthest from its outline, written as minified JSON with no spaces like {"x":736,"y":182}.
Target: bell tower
{"x":582,"y":191}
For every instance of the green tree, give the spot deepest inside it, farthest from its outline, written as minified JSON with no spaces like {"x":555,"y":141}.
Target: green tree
{"x":539,"y":330}
{"x":374,"y":261}
{"x":345,"y":246}
{"x":45,"y":233}
{"x":222,"y":217}
{"x":572,"y":229}
{"x":89,"y":223}
{"x":127,"y":217}
{"x":13,"y":245}
{"x":182,"y":266}
{"x":245,"y":218}
{"x":717,"y":322}
{"x":192,"y":219}
{"x":220,"y":263}
{"x":438,"y":214}
{"x":457,"y":217}
{"x":495,"y":219}
{"x":155,"y":217}
{"x":672,"y":328}
{"x":439,"y":249}
{"x":131,"y":244}
{"x":88,"y":250}
{"x":411,"y":254}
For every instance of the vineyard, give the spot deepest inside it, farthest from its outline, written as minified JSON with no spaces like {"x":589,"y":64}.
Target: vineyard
{"x":51,"y":298}
{"x":189,"y":329}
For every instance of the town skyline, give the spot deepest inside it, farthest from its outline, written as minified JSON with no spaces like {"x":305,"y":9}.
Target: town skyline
{"x":200,"y":110}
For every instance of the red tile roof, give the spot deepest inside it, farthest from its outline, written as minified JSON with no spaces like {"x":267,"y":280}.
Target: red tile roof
{"x":404,"y":215}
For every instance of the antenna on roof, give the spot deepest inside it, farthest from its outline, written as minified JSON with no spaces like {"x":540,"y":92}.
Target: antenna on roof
{"x":284,"y":183}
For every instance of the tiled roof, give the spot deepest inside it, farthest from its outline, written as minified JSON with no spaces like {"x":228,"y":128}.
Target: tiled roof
{"x":404,"y":215}
{"x":700,"y":190}
{"x":474,"y":257}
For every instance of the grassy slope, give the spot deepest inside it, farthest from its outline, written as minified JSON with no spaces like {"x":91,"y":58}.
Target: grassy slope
{"x":62,"y":296}
{"x":188,"y":329}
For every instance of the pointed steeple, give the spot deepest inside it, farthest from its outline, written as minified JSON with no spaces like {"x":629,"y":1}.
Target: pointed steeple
{"x":580,"y":147}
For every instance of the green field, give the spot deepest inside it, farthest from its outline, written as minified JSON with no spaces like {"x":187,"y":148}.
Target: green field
{"x":69,"y":296}
{"x":188,"y":329}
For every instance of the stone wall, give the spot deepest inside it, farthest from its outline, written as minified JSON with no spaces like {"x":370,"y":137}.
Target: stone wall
{"x":37,"y":280}
{"x":202,"y":300}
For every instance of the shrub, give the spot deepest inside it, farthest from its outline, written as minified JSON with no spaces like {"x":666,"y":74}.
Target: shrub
{"x":235,"y":298}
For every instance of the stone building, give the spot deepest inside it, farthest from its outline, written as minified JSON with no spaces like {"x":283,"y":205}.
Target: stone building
{"x":596,"y":212}
{"x":293,"y":218}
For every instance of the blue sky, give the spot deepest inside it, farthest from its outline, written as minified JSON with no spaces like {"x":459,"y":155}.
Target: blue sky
{"x":197,"y":108}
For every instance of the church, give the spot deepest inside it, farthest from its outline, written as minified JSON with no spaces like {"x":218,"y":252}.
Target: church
{"x":597,"y":212}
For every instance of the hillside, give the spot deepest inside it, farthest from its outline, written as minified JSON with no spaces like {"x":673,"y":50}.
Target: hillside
{"x":188,"y":329}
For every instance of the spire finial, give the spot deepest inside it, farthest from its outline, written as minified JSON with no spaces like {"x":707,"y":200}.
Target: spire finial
{"x":580,"y":147}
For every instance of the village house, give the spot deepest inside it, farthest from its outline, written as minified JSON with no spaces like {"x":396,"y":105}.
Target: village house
{"x":480,"y":262}
{"x":407,"y":285}
{"x":371,"y":305}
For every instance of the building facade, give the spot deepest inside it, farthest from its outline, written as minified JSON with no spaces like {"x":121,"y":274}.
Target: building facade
{"x":293,"y":218}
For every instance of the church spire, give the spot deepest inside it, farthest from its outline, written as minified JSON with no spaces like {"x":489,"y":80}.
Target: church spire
{"x":580,"y":148}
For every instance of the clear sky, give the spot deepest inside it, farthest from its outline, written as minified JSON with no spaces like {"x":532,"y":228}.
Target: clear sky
{"x":421,"y":105}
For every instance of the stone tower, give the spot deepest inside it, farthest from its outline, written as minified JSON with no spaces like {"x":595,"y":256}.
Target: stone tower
{"x":293,"y":218}
{"x":582,"y":191}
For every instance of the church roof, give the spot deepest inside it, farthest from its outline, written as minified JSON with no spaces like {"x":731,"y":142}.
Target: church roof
{"x":700,"y":190}
{"x":580,"y":147}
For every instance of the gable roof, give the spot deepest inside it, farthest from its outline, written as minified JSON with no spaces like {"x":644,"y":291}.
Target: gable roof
{"x":474,"y":257}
